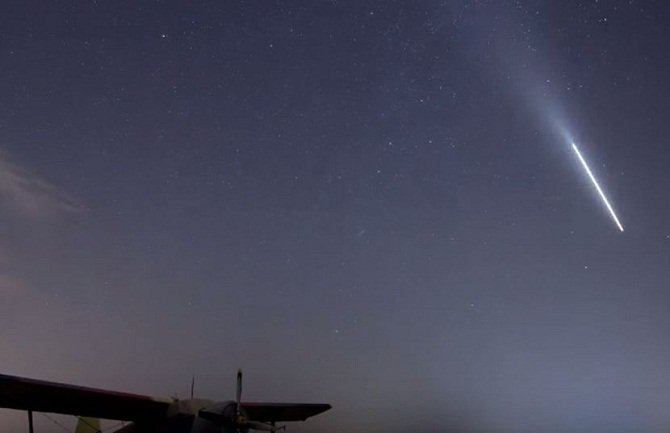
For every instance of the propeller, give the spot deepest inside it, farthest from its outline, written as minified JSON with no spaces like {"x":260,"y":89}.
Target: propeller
{"x":238,"y":419}
{"x":241,"y":420}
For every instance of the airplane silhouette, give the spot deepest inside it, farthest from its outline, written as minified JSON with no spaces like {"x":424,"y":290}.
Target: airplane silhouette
{"x":148,"y":414}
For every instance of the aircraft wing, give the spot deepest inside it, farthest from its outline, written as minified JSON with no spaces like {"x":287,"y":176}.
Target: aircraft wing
{"x":282,"y":412}
{"x":41,"y":396}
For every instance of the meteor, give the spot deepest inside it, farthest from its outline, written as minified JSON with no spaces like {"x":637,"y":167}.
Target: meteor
{"x":595,"y":183}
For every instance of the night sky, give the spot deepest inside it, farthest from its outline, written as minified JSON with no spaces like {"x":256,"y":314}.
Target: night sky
{"x":372,"y":204}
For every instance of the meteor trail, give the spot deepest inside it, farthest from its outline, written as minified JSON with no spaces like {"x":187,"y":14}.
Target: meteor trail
{"x":595,"y":183}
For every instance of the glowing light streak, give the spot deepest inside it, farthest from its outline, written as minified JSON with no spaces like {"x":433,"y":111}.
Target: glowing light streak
{"x":595,"y":183}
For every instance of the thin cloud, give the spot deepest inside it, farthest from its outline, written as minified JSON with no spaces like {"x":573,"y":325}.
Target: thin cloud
{"x":31,"y":196}
{"x":25,"y":198}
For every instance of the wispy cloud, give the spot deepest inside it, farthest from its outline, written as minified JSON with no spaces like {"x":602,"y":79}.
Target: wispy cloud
{"x":31,"y":196}
{"x":25,"y":199}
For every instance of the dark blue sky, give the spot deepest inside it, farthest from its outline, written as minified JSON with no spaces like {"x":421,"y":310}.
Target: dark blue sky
{"x":365,"y":203}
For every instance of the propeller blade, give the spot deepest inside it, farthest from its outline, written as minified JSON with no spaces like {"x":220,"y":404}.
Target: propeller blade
{"x":238,"y":395}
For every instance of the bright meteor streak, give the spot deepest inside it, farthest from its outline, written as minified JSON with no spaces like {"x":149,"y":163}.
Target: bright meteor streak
{"x":595,"y":183}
